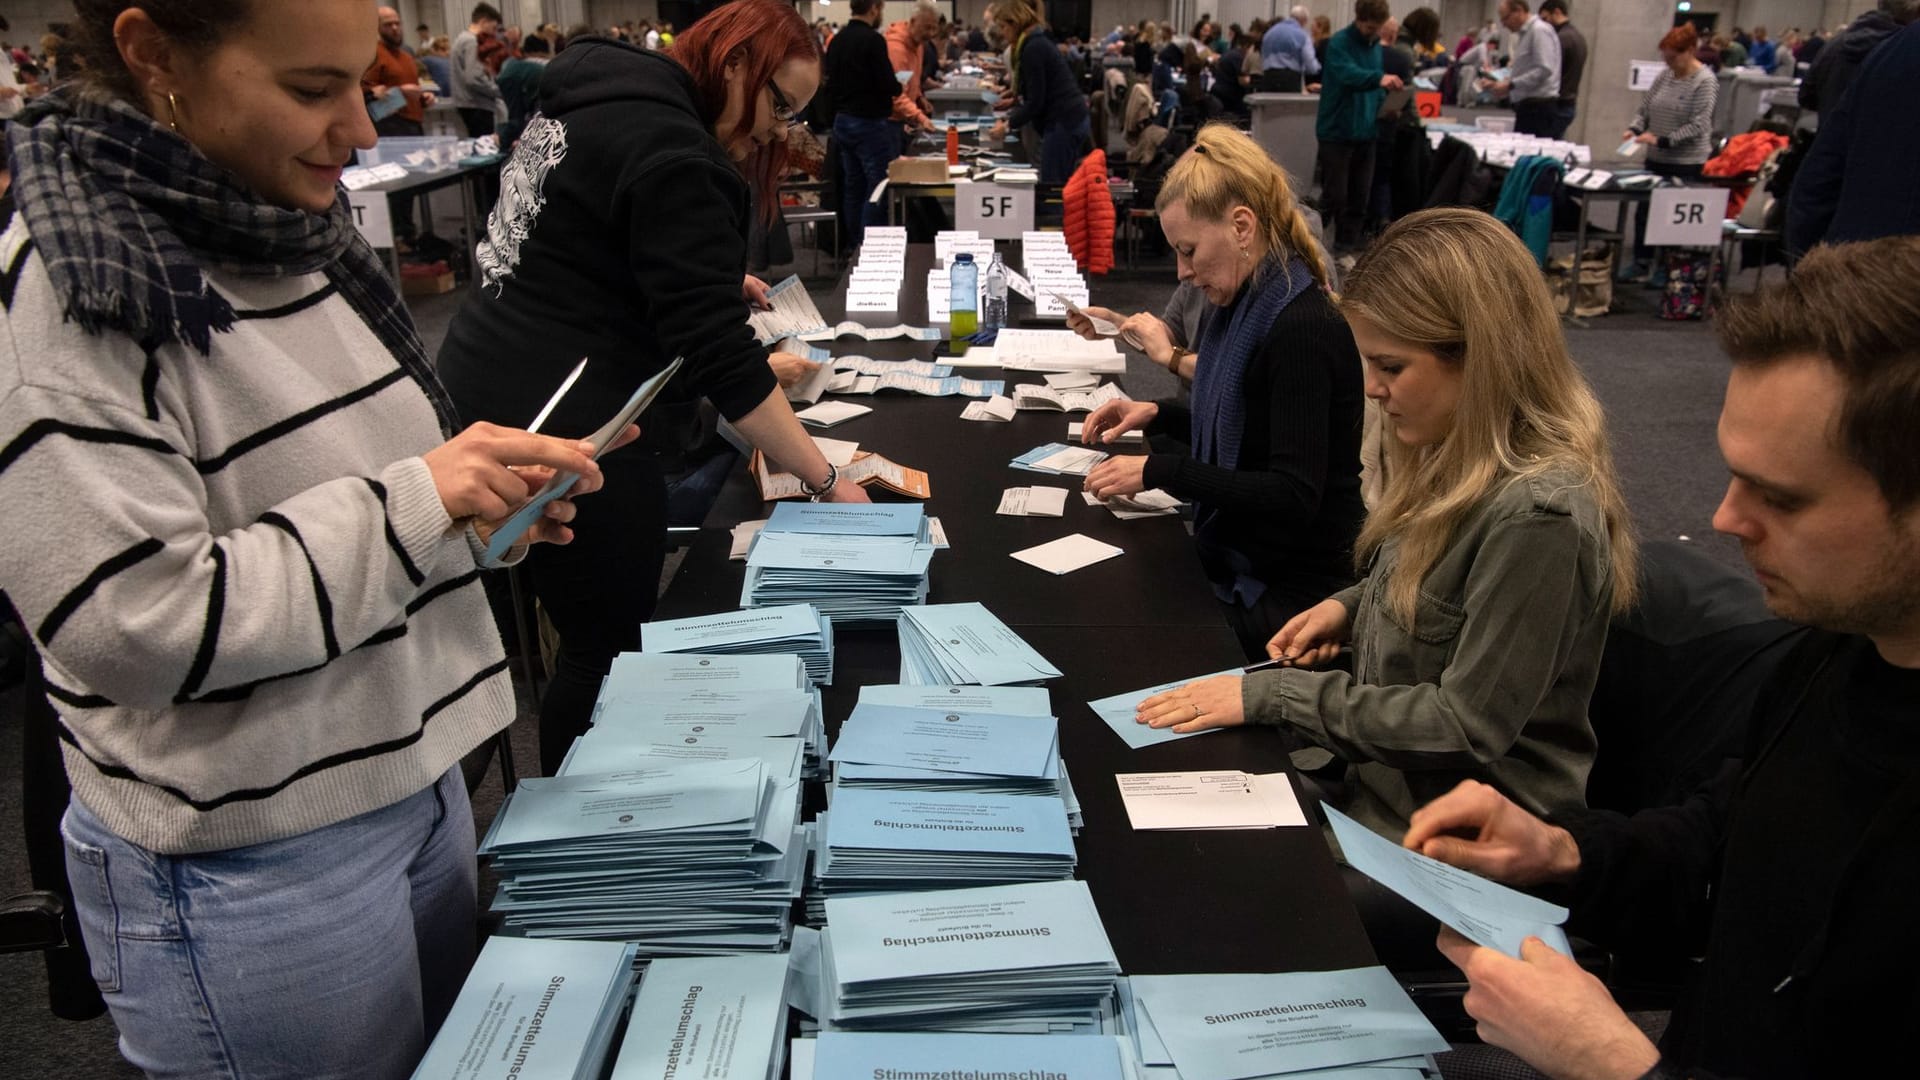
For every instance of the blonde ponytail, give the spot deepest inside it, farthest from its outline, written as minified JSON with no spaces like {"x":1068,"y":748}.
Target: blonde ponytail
{"x":1227,"y":169}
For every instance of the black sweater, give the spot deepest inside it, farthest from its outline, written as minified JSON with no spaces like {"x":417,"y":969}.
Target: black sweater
{"x":1049,"y":98}
{"x":859,"y":73}
{"x":1293,"y":507}
{"x":620,"y":236}
{"x":1795,"y":878}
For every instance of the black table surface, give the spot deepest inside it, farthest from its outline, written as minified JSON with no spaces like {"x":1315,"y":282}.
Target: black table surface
{"x":1172,"y":902}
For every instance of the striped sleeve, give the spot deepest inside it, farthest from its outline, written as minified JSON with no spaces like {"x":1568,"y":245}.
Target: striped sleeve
{"x":134,"y":595}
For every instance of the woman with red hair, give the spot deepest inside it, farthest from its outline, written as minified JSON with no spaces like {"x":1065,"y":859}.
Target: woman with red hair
{"x":1675,"y":121}
{"x":621,"y":236}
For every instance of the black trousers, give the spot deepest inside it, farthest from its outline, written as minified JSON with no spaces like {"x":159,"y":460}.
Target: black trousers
{"x":1346,"y":185}
{"x":598,"y":590}
{"x":1281,"y":81}
{"x":479,"y":122}
{"x":1537,"y":116}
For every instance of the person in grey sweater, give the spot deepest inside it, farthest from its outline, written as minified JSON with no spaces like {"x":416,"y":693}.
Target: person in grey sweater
{"x":247,"y":542}
{"x":475,"y":93}
{"x":1497,"y":555}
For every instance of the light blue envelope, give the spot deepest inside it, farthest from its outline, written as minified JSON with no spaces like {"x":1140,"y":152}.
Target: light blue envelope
{"x":947,"y":741}
{"x":847,"y":519}
{"x":1005,"y":700}
{"x":1118,"y":712}
{"x":842,"y":1055}
{"x":947,"y":822}
{"x":1231,"y":1027}
{"x":1484,"y":912}
{"x":714,"y":1017}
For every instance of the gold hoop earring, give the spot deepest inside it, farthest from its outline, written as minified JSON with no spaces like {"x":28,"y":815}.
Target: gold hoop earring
{"x":173,"y":112}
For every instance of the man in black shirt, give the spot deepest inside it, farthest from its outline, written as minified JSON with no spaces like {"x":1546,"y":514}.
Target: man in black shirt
{"x":861,"y":88}
{"x":1573,"y":63}
{"x":1794,"y":873}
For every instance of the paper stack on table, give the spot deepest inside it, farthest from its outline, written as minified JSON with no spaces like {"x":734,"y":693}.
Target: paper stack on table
{"x":964,"y":644}
{"x":1034,"y":396}
{"x":1057,"y":350}
{"x":1053,"y":275}
{"x":790,"y":629}
{"x":678,"y":857}
{"x":702,"y":708}
{"x":859,"y":564}
{"x":1008,"y":958}
{"x":997,"y":408}
{"x":1060,"y":459}
{"x":1033,"y":502}
{"x":571,"y":992}
{"x":997,"y":700}
{"x":1259,"y":1026}
{"x":1075,"y":427}
{"x":714,"y":1017}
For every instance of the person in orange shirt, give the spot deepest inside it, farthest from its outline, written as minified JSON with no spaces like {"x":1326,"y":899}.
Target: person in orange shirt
{"x":395,"y":69}
{"x":906,"y":48}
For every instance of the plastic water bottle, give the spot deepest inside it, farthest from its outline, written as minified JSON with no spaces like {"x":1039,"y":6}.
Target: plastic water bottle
{"x":995,"y":316}
{"x":966,"y":295}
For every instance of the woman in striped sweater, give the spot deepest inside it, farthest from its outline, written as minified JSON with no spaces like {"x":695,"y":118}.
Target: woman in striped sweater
{"x":246,"y":547}
{"x":1675,"y":121}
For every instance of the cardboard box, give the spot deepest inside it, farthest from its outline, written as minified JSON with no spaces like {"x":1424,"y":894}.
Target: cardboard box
{"x":918,"y":170}
{"x":426,"y":284}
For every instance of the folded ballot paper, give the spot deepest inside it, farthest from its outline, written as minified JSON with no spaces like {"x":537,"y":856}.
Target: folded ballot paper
{"x":1031,"y":957}
{"x":1071,"y":400}
{"x":1250,"y":1027}
{"x":675,"y":856}
{"x":964,"y":644}
{"x":1059,"y":459}
{"x":790,"y":312}
{"x":711,"y":1017}
{"x":858,"y":564}
{"x":791,"y":629}
{"x":533,"y":1008}
{"x":867,"y":469}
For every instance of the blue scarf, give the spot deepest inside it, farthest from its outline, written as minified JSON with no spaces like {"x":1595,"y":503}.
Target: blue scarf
{"x":1228,"y":339}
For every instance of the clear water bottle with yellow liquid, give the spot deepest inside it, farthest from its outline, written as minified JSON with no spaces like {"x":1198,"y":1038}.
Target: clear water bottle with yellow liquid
{"x":965,"y":313}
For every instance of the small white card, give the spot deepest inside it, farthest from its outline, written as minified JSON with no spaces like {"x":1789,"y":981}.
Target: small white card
{"x":998,"y":407}
{"x":1075,"y":427}
{"x":1073,"y":380}
{"x":1223,"y":799}
{"x":1067,"y":554}
{"x":829,"y":413}
{"x":873,"y":301}
{"x":1033,"y":502}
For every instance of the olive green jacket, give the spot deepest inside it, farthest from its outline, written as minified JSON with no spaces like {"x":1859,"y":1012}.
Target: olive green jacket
{"x":1492,"y":680}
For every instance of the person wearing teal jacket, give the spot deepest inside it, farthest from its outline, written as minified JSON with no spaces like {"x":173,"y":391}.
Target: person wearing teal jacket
{"x":1352,"y":86}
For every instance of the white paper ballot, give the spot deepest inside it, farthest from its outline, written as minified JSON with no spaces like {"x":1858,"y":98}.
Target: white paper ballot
{"x":838,"y":452}
{"x":998,"y":407}
{"x":1152,"y":502}
{"x":1067,"y":554}
{"x":1072,"y":380}
{"x":1220,"y":799}
{"x":829,"y":413}
{"x":939,"y":532}
{"x":1033,"y":502}
{"x":1074,"y":461}
{"x":1075,"y":427}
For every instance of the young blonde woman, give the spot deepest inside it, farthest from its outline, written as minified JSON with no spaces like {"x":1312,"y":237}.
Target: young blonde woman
{"x":1492,"y":565}
{"x":1273,"y":426}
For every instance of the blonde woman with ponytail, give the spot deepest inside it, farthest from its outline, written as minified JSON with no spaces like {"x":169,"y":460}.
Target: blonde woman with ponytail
{"x":1273,"y":425}
{"x":1493,"y":562}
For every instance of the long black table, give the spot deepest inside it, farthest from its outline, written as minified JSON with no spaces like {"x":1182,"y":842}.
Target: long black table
{"x":1172,"y":902}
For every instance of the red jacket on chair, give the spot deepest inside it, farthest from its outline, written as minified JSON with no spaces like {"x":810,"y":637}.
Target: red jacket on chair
{"x":1089,"y":215}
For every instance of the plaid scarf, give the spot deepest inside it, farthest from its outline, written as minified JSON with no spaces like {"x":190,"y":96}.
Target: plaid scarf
{"x":126,"y":214}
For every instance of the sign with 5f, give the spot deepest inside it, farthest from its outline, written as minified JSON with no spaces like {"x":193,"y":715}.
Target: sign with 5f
{"x":1686,"y":216}
{"x":996,"y":211}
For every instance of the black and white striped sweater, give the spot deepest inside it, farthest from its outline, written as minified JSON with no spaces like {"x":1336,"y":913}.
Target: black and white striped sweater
{"x":255,"y":615}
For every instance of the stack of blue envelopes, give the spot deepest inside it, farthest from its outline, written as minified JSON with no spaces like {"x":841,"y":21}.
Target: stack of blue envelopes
{"x":535,"y":1008}
{"x":696,"y":706}
{"x":790,"y":630}
{"x":714,"y":1017}
{"x":956,"y":800}
{"x":859,"y":564}
{"x":678,"y":857}
{"x":1012,"y":958}
{"x":963,"y":644}
{"x":891,"y":1053}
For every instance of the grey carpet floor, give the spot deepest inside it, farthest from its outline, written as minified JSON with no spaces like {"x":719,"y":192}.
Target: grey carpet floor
{"x":1661,"y":383}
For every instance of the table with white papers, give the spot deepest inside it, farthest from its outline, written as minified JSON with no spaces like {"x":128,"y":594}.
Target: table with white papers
{"x":1273,"y":898}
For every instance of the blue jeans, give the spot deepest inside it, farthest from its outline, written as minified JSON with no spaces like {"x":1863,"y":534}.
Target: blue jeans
{"x":1563,"y":119}
{"x":866,"y":148}
{"x":335,"y":953}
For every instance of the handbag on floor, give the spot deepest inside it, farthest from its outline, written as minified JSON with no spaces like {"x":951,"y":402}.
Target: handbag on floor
{"x":1686,"y":291}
